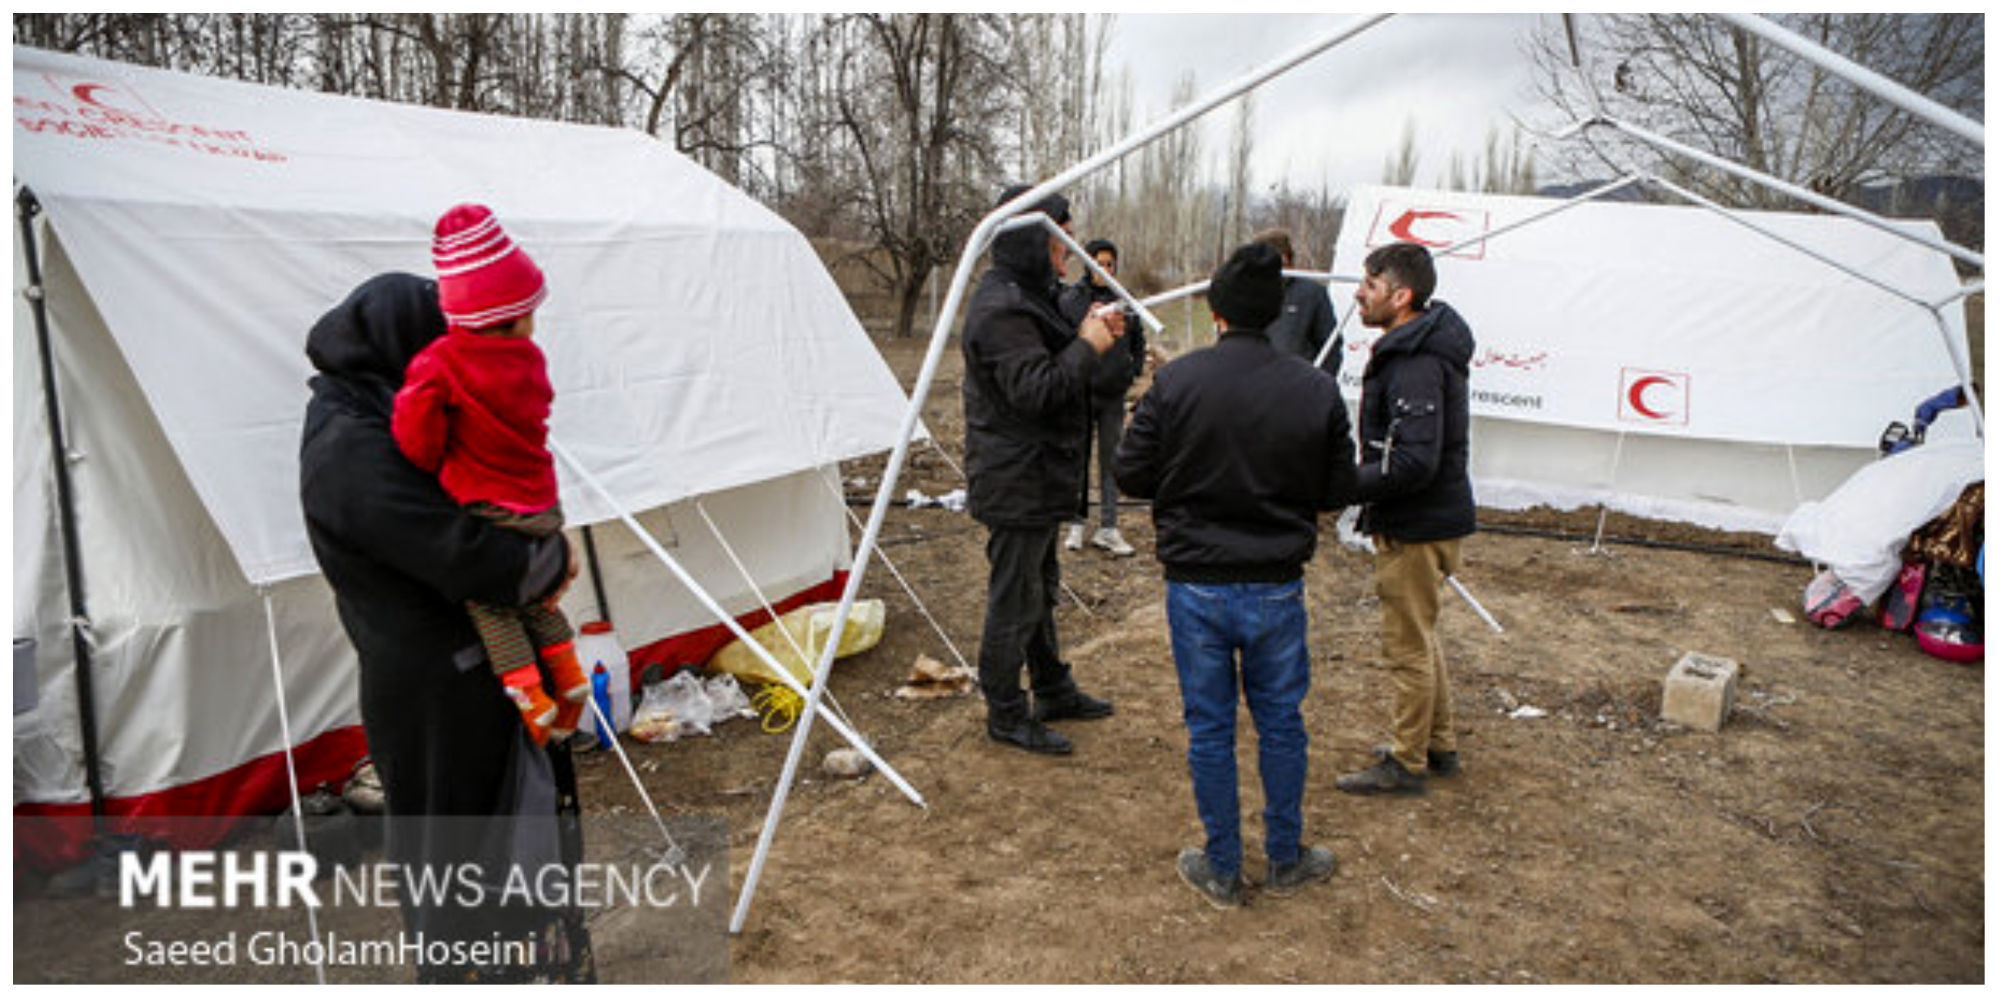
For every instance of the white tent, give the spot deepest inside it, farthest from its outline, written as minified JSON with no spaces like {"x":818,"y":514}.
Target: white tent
{"x":1665,"y":361}
{"x":192,"y":229}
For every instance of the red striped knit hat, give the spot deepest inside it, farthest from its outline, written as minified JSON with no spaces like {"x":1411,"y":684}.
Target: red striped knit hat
{"x":484,"y":280}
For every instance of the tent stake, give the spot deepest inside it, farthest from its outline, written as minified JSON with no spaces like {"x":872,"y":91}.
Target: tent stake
{"x":1604,"y":509}
{"x":26,"y":207}
{"x":1476,"y":606}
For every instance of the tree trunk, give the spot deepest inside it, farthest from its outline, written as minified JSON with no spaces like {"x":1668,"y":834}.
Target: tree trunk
{"x":909,"y":296}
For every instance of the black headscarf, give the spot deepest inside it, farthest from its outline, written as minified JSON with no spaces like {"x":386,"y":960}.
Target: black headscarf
{"x":368,"y":339}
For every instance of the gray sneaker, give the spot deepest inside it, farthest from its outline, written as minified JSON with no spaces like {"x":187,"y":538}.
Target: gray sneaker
{"x":1201,"y":877}
{"x":1314,"y":864}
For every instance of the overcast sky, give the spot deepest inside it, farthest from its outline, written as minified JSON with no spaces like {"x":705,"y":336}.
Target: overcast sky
{"x":1341,"y":114}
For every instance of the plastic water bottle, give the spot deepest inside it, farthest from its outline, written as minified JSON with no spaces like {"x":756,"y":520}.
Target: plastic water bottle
{"x":599,"y":652}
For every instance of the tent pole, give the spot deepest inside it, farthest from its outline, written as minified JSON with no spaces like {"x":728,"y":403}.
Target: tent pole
{"x":974,"y":245}
{"x":728,"y":620}
{"x":291,"y":764}
{"x":26,"y":207}
{"x":1964,"y":372}
{"x":1090,"y":265}
{"x":596,"y":575}
{"x":1809,"y":197}
{"x":762,"y":600}
{"x":1741,"y":220}
{"x":1861,"y":76}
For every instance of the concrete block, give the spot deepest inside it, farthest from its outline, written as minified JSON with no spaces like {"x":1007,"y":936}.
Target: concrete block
{"x":1700,"y":691}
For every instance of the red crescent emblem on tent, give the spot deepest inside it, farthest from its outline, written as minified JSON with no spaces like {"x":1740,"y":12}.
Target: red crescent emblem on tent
{"x":1637,"y":396}
{"x":1401,"y":227}
{"x":84,"y":92}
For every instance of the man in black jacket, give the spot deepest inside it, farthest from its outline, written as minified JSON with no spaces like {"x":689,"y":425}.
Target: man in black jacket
{"x":1239,"y":447}
{"x":1027,"y":397}
{"x":1307,"y":320}
{"x":1415,"y":423}
{"x":458,"y":770}
{"x":1116,"y":372}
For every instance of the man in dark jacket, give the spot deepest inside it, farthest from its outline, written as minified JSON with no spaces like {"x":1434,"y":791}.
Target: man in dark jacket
{"x":402,"y":558}
{"x":1307,"y":320}
{"x":1027,"y":379}
{"x":1240,"y":447}
{"x":1115,"y":373}
{"x":1415,"y":423}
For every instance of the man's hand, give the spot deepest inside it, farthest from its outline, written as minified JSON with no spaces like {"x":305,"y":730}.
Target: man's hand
{"x":1103,"y":326}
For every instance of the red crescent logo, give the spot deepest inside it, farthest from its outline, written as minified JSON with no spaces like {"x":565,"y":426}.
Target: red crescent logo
{"x":1401,"y":227}
{"x":1637,"y":396}
{"x":83,"y":92}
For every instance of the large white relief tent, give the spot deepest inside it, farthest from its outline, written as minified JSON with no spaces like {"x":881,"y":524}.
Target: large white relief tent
{"x":191,"y":230}
{"x":1666,"y":361}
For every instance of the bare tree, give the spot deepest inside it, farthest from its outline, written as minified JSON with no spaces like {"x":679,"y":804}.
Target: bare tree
{"x":919,"y":100}
{"x":1241,"y":143}
{"x":1718,"y":88}
{"x":1400,"y":168}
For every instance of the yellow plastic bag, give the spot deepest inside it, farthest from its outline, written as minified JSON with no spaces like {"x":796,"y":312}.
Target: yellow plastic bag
{"x":809,"y":627}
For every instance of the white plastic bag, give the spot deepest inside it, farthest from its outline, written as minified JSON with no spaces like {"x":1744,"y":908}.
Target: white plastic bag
{"x":1860,"y":529}
{"x":672,"y":709}
{"x":727,"y":699}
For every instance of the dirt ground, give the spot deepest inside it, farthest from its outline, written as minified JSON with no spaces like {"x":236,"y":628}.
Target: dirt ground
{"x":1832,"y":832}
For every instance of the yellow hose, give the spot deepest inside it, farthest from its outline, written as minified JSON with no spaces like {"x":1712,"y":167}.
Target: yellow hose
{"x":778,"y":706}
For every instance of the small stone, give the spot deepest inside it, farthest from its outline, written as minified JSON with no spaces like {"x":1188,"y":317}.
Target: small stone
{"x":845,"y":762}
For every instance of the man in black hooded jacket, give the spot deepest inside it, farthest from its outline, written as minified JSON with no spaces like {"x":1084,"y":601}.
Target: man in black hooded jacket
{"x":458,"y":770}
{"x":1415,"y":425}
{"x":1027,"y":397}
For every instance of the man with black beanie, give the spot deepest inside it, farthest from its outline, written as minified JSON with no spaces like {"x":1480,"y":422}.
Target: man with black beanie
{"x":1027,"y":398}
{"x":1240,"y":446}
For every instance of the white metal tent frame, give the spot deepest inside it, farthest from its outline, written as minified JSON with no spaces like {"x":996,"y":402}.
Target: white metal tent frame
{"x":989,"y":226}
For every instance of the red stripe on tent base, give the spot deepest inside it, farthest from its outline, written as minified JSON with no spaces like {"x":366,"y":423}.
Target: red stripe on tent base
{"x":200,"y":814}
{"x":193,"y":816}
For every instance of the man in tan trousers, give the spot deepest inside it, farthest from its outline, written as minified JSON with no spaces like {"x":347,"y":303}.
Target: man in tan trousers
{"x":1414,"y":421}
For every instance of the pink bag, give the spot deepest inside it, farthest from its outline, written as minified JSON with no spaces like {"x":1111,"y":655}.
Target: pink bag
{"x":1828,"y":602}
{"x":1899,"y":605}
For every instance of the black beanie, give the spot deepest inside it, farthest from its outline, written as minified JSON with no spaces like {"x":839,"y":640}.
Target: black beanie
{"x":1248,"y":289}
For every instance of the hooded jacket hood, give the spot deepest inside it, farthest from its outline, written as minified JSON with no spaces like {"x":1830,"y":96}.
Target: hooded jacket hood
{"x":1440,"y":330}
{"x":372,"y":335}
{"x":1024,"y":253}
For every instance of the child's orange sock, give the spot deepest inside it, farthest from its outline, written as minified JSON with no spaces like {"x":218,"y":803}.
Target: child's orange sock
{"x":571,"y":684}
{"x":524,"y":686}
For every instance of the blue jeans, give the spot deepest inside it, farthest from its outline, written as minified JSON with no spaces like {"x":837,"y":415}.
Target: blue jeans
{"x":1255,"y":632}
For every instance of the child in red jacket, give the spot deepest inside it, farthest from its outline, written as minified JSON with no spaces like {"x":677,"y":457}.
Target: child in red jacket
{"x":474,"y":408}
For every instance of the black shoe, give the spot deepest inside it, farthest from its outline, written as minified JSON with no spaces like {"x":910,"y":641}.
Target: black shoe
{"x":1074,"y":705}
{"x":1201,"y":877}
{"x":1029,"y":735}
{"x":1437,"y":763}
{"x":1314,"y":864}
{"x":1387,"y":776}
